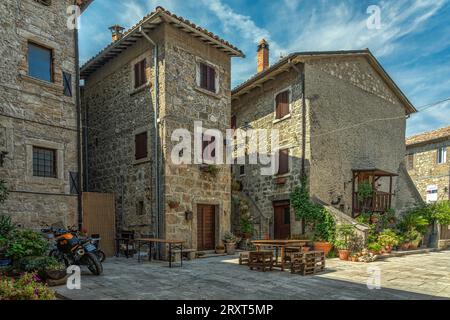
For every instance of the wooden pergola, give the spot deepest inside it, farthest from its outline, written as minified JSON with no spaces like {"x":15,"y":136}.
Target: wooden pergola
{"x":380,"y":202}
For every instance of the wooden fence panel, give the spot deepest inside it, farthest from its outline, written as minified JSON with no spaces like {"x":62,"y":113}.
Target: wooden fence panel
{"x":99,"y":217}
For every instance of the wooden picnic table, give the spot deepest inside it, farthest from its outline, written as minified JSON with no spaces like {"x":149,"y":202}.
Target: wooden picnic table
{"x":280,"y":248}
{"x":173,"y":245}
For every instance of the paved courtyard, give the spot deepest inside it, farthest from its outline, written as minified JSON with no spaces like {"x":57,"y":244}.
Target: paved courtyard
{"x":424,"y":276}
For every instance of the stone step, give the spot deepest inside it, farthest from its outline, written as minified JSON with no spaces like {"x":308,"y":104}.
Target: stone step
{"x":406,"y":253}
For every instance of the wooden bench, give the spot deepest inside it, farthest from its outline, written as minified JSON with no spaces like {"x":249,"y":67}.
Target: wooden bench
{"x":308,"y":263}
{"x":261,"y":260}
{"x":244,"y":258}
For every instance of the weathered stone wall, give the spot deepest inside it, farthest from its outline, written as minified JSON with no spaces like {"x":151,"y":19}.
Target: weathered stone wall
{"x":36,"y":113}
{"x":356,"y":122}
{"x":426,"y":171}
{"x":185,"y":103}
{"x":258,"y":110}
{"x":116,"y":112}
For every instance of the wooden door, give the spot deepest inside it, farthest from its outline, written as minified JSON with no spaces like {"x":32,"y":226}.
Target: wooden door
{"x":282,"y":219}
{"x":206,"y":227}
{"x":99,"y":217}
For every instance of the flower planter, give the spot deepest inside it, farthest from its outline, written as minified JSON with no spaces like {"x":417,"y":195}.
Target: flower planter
{"x":231,"y":248}
{"x":344,"y":254}
{"x":405,"y":246}
{"x":354,"y":258}
{"x":413,"y":246}
{"x":388,"y":249}
{"x":306,"y":249}
{"x":323,"y":246}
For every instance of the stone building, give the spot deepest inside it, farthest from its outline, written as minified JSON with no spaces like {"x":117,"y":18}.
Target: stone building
{"x":163,"y":74}
{"x":39,"y":141}
{"x":428,"y":165}
{"x":341,"y":121}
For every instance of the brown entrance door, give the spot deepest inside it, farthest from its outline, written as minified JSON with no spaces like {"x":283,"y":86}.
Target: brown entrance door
{"x":206,"y":227}
{"x":282,"y":218}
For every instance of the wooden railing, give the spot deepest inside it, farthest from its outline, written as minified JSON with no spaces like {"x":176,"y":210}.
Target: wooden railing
{"x":380,"y":202}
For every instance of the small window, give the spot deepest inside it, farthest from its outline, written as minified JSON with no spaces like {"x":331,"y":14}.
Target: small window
{"x":410,"y":161}
{"x":40,"y":62}
{"x":44,"y":2}
{"x":283,"y":167}
{"x":282,"y":104}
{"x":140,"y":76}
{"x":44,"y":162}
{"x":207,"y":77}
{"x":140,"y":209}
{"x":67,"y":81}
{"x":442,"y":155}
{"x":141,"y":146}
{"x":242,"y":170}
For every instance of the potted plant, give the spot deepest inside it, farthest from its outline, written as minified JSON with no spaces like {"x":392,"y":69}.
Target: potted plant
{"x":220,"y":249}
{"x":354,"y":257}
{"x":374,"y":248}
{"x":324,"y":232}
{"x":388,"y":239}
{"x":415,"y":237}
{"x":230,"y":242}
{"x":365,"y":195}
{"x":246,"y":227}
{"x":404,"y":242}
{"x":342,"y":243}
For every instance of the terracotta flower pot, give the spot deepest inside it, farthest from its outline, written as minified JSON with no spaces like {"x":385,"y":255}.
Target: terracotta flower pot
{"x":354,"y":259}
{"x":323,"y":246}
{"x":343,"y":254}
{"x":231,"y":248}
{"x":413,"y":246}
{"x":388,"y":249}
{"x":405,"y":246}
{"x":306,"y":249}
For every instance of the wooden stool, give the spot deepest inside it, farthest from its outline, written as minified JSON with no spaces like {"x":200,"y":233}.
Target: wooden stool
{"x":261,"y":260}
{"x":314,"y":262}
{"x":244,"y":258}
{"x":297,"y":260}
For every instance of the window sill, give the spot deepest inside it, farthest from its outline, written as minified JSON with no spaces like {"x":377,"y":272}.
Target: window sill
{"x":141,"y":161}
{"x":140,"y":89}
{"x":282,"y":119}
{"x":40,"y":82}
{"x":207,"y":92}
{"x":284,"y":175}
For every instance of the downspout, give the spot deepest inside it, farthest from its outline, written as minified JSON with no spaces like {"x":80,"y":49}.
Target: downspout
{"x":159,"y":218}
{"x":78,"y":106}
{"x":302,"y":79}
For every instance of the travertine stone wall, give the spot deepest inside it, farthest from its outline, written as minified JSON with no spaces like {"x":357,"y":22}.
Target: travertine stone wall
{"x":258,"y":109}
{"x":356,"y":122}
{"x":426,"y":170}
{"x":36,"y":113}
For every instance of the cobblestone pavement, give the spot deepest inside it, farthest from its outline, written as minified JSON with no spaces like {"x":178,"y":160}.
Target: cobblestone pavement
{"x":424,"y":276}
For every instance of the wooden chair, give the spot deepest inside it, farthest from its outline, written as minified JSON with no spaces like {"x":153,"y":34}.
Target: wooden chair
{"x":125,"y":243}
{"x":308,"y":263}
{"x":244,"y":258}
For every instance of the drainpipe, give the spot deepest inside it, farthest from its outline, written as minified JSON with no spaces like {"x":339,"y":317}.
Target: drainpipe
{"x":159,"y":223}
{"x":302,"y":79}
{"x":78,"y":106}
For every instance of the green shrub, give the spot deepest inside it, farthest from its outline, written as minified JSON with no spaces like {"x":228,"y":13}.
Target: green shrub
{"x":388,"y":238}
{"x":27,"y":287}
{"x":39,"y":264}
{"x":324,"y":227}
{"x":6,"y":226}
{"x":374,"y":246}
{"x":26,"y":243}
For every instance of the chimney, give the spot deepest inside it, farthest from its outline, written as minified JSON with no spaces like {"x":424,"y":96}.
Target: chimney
{"x":263,"y":55}
{"x":117,"y":32}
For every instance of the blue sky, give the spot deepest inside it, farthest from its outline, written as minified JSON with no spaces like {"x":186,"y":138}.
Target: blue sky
{"x":413,"y":43}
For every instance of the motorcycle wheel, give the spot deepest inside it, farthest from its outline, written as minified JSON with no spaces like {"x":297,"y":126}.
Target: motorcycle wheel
{"x":101,"y":255}
{"x":91,"y":261}
{"x":59,"y":256}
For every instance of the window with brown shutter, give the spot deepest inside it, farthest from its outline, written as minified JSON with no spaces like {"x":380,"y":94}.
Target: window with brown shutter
{"x":283,"y":167}
{"x":282,"y":104}
{"x":140,"y":77}
{"x":207,"y":77}
{"x":141,"y":146}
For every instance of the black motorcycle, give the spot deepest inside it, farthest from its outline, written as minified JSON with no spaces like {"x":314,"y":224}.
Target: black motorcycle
{"x":71,"y":251}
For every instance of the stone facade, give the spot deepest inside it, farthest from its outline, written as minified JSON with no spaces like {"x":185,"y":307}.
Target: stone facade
{"x":36,"y":113}
{"x":116,"y":112}
{"x":422,"y":162}
{"x":352,"y":118}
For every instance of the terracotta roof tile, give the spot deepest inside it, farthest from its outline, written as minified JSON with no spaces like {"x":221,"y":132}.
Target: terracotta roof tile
{"x":429,"y":136}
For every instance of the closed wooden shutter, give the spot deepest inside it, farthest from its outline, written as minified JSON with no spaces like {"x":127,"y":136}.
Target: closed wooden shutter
{"x":141,"y":146}
{"x":207,"y":77}
{"x":67,"y":81}
{"x":283,"y":161}
{"x":233,"y":122}
{"x":140,"y":77}
{"x":282,"y":104}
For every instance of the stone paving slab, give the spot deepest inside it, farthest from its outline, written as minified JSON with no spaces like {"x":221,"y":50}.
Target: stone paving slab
{"x":424,"y":276}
